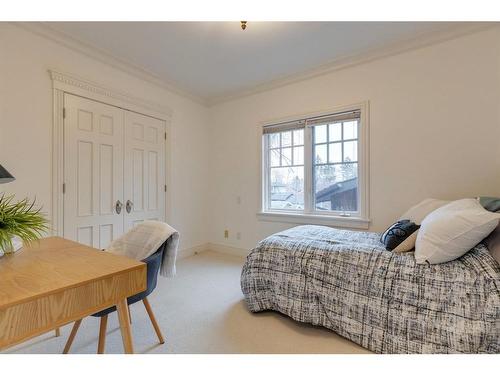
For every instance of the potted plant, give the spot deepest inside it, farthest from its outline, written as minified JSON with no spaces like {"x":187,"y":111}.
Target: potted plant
{"x":20,"y":222}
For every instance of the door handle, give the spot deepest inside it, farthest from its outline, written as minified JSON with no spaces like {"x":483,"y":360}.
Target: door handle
{"x":128,"y":206}
{"x":118,"y":206}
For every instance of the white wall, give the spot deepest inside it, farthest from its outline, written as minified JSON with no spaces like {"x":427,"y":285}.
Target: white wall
{"x":435,"y":132}
{"x":26,"y":122}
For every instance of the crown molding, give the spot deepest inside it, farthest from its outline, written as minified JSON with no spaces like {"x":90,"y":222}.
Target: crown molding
{"x":65,"y":40}
{"x":71,"y":83}
{"x":421,"y":41}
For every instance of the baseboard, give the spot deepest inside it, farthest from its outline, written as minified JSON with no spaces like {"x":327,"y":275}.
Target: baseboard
{"x":218,"y":248}
{"x":184,"y":253}
{"x":230,"y":250}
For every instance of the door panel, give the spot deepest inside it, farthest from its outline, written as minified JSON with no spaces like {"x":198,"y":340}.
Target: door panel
{"x":144,"y":168}
{"x":93,"y":171}
{"x":138,"y":180}
{"x":106,"y":201}
{"x":152,"y":183}
{"x":85,"y":178}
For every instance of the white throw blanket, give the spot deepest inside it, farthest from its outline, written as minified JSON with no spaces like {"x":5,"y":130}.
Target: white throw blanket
{"x":144,"y":239}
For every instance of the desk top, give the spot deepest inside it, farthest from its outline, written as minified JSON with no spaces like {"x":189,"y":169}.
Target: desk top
{"x":53,"y":264}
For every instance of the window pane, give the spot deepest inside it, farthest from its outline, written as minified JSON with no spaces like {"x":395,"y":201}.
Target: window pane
{"x":335,"y":132}
{"x":348,"y":171}
{"x":320,"y":154}
{"x":351,"y":151}
{"x":274,"y":140}
{"x":286,"y":139}
{"x":351,"y":130}
{"x":298,"y":155}
{"x":286,"y":156}
{"x":324,"y":177}
{"x":335,"y":152}
{"x":298,"y":137}
{"x":274,"y":156}
{"x":336,"y":187}
{"x":287,"y":188}
{"x":320,"y":134}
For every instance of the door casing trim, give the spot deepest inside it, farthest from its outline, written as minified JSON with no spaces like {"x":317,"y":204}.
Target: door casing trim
{"x":66,"y":83}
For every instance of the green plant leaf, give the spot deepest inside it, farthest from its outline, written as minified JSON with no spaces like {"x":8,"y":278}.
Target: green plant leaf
{"x":20,"y":219}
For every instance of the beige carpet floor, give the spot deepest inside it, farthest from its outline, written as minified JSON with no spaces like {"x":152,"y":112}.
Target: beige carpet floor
{"x":201,"y":310}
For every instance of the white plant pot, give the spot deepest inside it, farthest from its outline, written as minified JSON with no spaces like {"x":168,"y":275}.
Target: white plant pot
{"x":17,"y":243}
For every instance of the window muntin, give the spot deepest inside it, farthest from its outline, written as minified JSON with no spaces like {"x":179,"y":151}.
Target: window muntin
{"x":312,"y":166}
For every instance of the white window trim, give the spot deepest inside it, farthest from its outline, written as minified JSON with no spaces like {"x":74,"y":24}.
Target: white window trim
{"x":308,"y":216}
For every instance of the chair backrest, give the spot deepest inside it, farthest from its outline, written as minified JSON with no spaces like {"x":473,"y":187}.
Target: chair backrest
{"x":153,"y":263}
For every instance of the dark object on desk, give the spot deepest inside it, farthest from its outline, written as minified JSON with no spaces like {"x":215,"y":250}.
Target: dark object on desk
{"x":5,"y":176}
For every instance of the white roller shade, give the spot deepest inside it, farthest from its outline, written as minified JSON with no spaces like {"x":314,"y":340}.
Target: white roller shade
{"x":338,"y":117}
{"x":284,"y":126}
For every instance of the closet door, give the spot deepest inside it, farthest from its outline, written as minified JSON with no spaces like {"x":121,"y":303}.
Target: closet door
{"x":144,"y":189}
{"x":93,"y":171}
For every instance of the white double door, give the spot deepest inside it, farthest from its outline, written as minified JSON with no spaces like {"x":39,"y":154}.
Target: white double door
{"x":114,"y":170}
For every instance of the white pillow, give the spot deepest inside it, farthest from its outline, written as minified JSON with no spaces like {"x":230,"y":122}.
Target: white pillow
{"x":418,"y":212}
{"x":452,"y":230}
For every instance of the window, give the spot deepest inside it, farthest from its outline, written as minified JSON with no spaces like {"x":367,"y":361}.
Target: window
{"x":315,"y":167}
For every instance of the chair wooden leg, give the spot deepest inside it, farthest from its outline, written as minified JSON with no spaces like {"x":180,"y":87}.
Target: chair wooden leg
{"x":153,"y":320}
{"x":129,"y":314}
{"x":102,"y":334}
{"x":72,"y":336}
{"x":58,"y":332}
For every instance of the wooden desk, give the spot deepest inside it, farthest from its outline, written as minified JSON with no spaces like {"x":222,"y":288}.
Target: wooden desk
{"x":57,"y":281}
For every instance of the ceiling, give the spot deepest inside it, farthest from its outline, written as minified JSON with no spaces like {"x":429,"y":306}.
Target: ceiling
{"x":212,"y":60}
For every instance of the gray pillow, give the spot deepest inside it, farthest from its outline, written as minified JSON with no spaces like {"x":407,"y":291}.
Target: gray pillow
{"x":492,"y":242}
{"x":490,"y":203}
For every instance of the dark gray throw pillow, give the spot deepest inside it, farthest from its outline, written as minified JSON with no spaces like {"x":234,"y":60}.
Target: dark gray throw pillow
{"x":492,"y":242}
{"x":490,"y":203}
{"x":397,"y":233}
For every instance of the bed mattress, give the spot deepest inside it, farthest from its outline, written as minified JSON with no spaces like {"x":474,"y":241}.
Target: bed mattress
{"x":346,"y":281}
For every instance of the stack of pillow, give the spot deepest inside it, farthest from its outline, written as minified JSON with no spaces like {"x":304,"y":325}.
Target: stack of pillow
{"x":441,"y":231}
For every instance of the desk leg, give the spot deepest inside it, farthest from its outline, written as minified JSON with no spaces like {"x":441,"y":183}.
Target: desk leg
{"x":123,"y":317}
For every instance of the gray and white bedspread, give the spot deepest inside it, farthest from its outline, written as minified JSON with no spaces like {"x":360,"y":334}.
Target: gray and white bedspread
{"x":346,"y":281}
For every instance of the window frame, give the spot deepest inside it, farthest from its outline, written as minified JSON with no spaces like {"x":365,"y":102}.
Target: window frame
{"x":309,"y":215}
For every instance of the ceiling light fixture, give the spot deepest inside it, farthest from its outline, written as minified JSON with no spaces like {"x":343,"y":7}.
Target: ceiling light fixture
{"x":243,"y":25}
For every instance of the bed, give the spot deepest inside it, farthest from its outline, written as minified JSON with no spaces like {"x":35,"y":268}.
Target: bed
{"x":347,"y":282}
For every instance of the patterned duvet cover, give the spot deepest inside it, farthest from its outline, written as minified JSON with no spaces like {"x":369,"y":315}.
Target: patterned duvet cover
{"x":346,"y":281}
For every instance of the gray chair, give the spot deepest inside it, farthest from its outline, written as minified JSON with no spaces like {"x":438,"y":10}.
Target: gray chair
{"x":153,"y":263}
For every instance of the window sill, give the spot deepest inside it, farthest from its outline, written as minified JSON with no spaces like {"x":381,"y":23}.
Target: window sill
{"x":297,"y":218}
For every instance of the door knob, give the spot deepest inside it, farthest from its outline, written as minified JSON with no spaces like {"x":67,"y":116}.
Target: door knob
{"x":128,"y":206}
{"x":118,"y":206}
